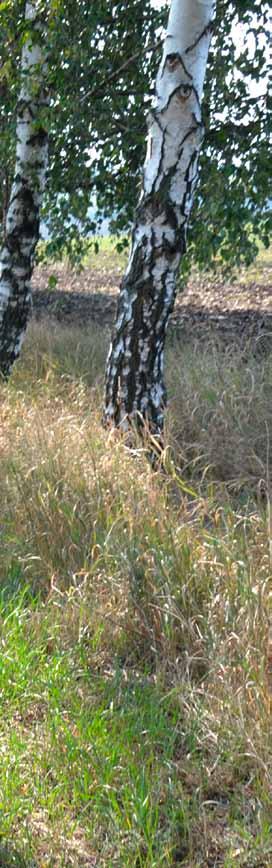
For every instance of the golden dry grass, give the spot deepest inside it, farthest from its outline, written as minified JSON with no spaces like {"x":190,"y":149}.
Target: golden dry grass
{"x":135,"y":611}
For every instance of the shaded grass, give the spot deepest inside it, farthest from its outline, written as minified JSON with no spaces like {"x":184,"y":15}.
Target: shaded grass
{"x":134,"y":673}
{"x":220,"y":413}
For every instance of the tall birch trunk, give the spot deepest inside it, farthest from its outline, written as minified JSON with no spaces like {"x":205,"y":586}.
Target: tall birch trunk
{"x":135,"y":389}
{"x":22,"y":219}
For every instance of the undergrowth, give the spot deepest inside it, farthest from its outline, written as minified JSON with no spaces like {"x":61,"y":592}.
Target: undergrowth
{"x":134,"y":616}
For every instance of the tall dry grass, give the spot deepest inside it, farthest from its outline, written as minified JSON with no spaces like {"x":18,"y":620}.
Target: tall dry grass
{"x":160,"y":575}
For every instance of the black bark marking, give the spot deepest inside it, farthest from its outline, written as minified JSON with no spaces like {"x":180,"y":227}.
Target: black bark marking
{"x":173,"y":59}
{"x":19,"y":303}
{"x":38,"y":139}
{"x":207,"y":30}
{"x":24,"y":105}
{"x":175,"y":92}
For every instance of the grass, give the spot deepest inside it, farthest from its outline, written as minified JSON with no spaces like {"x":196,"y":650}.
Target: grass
{"x":99,"y":253}
{"x":260,"y":270}
{"x":103,"y":253}
{"x":134,"y":615}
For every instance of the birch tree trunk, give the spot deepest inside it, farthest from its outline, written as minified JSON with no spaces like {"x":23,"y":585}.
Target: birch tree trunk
{"x":22,"y":219}
{"x":135,"y":389}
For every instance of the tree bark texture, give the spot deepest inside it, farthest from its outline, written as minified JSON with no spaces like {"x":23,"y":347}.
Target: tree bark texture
{"x":22,"y":218}
{"x":135,"y":389}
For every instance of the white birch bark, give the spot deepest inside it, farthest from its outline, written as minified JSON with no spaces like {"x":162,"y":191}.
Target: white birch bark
{"x":134,"y":378}
{"x":22,"y":219}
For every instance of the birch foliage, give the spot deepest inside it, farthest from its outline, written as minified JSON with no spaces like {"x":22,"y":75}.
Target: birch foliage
{"x":102,"y":85}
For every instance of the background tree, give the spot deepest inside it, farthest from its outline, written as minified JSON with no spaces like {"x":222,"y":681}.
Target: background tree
{"x":100,"y":61}
{"x":21,"y":205}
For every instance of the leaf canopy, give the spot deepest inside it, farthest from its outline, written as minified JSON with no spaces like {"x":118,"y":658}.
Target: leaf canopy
{"x":101,"y":71}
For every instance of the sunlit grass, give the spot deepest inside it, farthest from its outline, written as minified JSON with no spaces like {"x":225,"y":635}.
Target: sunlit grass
{"x":134,"y":616}
{"x":111,"y":253}
{"x":99,"y":253}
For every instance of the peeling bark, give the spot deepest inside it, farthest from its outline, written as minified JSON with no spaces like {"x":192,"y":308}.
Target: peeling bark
{"x":22,"y":218}
{"x":135,"y":390}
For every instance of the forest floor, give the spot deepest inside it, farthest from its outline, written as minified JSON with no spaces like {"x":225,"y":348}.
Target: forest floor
{"x":135,"y":604}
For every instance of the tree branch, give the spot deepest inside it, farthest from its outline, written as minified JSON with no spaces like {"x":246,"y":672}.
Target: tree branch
{"x":95,"y":90}
{"x":231,"y":129}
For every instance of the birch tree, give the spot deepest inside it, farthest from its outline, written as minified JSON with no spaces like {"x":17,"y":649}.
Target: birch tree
{"x":22,"y":218}
{"x":135,"y":389}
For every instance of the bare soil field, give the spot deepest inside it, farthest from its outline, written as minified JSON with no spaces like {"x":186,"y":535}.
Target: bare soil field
{"x":240,"y":308}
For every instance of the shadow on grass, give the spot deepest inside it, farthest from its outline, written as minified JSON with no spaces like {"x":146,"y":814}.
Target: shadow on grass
{"x":252,"y":324}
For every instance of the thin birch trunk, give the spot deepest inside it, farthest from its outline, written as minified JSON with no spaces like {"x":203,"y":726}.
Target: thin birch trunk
{"x":135,"y":389}
{"x":22,"y":219}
